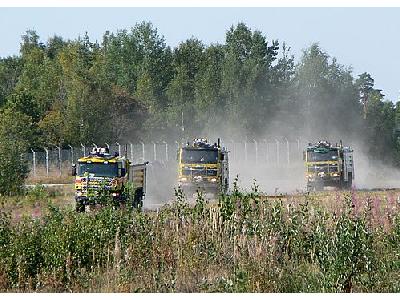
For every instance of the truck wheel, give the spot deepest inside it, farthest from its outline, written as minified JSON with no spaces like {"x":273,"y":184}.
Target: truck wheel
{"x":137,"y":204}
{"x":79,"y":206}
{"x":138,"y":198}
{"x":350,"y":182}
{"x":311,"y":188}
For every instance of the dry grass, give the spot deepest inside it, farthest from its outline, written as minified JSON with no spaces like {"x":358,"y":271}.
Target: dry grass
{"x":34,"y":203}
{"x":54,"y":176}
{"x":325,"y":242}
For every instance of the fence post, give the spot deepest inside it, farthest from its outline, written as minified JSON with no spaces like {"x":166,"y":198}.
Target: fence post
{"x":234,"y":151}
{"x":34,"y":162}
{"x":72,"y":154}
{"x":245,"y":151}
{"x":266,"y":150}
{"x":59,"y":159}
{"x":155,"y":151}
{"x":277,"y":151}
{"x":287,"y":151}
{"x":142,"y":150}
{"x":47,"y":161}
{"x":256,"y":145}
{"x":177,"y":149}
{"x":166,"y":150}
{"x":119,"y":148}
{"x":131,"y":145}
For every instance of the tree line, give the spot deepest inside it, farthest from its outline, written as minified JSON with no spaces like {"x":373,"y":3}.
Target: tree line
{"x":132,"y":86}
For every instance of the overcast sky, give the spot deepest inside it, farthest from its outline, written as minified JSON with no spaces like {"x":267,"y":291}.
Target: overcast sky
{"x":367,"y":39}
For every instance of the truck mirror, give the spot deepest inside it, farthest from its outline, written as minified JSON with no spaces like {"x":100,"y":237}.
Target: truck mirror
{"x":73,"y":170}
{"x":123,"y":172}
{"x":222,"y":156}
{"x":304,"y":155}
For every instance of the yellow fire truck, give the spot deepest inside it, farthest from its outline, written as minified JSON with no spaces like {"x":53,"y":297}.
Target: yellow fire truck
{"x":328,"y":165}
{"x":203,"y":167}
{"x":114,"y":175}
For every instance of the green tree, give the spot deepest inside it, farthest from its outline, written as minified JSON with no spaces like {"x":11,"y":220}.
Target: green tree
{"x":326,"y":95}
{"x":187,"y":61}
{"x":246,"y":82}
{"x":365,"y":86}
{"x":379,"y":127}
{"x":209,"y":102}
{"x":52,"y":127}
{"x":10,"y":69}
{"x":16,"y":134}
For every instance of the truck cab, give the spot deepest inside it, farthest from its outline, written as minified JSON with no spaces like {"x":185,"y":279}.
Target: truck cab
{"x":328,"y":166}
{"x":101,"y":172}
{"x":203,"y":167}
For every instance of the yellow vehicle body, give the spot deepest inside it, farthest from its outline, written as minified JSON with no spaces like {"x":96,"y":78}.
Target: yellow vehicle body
{"x":101,"y":174}
{"x":203,"y":167}
{"x":330,"y":172}
{"x":328,"y":166}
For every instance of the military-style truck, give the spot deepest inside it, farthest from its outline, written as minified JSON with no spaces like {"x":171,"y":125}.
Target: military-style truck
{"x":328,"y":165}
{"x":203,"y":167}
{"x":100,"y":172}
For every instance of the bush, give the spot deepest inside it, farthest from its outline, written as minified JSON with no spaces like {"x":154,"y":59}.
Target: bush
{"x":14,"y":169}
{"x":245,"y":244}
{"x":16,"y":134}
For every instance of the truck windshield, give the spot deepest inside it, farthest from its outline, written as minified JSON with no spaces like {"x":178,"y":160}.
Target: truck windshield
{"x":201,"y":156}
{"x":322,"y":156}
{"x":98,"y":169}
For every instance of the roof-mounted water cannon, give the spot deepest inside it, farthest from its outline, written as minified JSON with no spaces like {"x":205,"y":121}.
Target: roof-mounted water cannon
{"x":324,"y":144}
{"x":100,"y":151}
{"x":200,"y":142}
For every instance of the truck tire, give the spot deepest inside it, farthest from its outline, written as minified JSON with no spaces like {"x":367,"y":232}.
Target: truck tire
{"x":350,"y":182}
{"x":79,"y":206}
{"x":315,"y":187}
{"x":138,"y":198}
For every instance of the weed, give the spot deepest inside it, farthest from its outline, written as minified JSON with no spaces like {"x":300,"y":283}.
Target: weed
{"x":244,"y":244}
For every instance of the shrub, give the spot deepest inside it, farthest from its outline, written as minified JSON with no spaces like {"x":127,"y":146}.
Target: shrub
{"x":245,"y":244}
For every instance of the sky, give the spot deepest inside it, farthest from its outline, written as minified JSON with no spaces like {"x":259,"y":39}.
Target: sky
{"x":367,"y":39}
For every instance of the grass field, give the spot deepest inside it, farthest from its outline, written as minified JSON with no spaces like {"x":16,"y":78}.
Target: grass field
{"x":245,"y":242}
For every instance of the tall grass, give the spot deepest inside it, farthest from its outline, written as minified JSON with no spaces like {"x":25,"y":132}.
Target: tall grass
{"x":243,"y":244}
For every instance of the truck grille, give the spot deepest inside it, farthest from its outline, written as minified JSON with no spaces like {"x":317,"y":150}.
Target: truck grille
{"x":93,"y":185}
{"x":323,"y":168}
{"x":199,"y":171}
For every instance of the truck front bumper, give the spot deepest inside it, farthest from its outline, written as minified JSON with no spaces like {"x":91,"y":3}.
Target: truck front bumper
{"x":205,"y":187}
{"x":94,"y":199}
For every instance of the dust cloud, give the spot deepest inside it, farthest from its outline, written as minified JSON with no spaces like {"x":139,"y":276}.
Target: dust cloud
{"x":263,"y":157}
{"x":161,"y":180}
{"x":270,"y":168}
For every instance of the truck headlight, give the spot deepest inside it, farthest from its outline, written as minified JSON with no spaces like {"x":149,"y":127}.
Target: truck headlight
{"x":213,"y":179}
{"x":115,"y":194}
{"x":183,"y":179}
{"x":198,"y":178}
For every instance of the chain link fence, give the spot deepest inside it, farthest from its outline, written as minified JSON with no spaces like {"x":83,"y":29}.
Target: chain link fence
{"x":281,"y":153}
